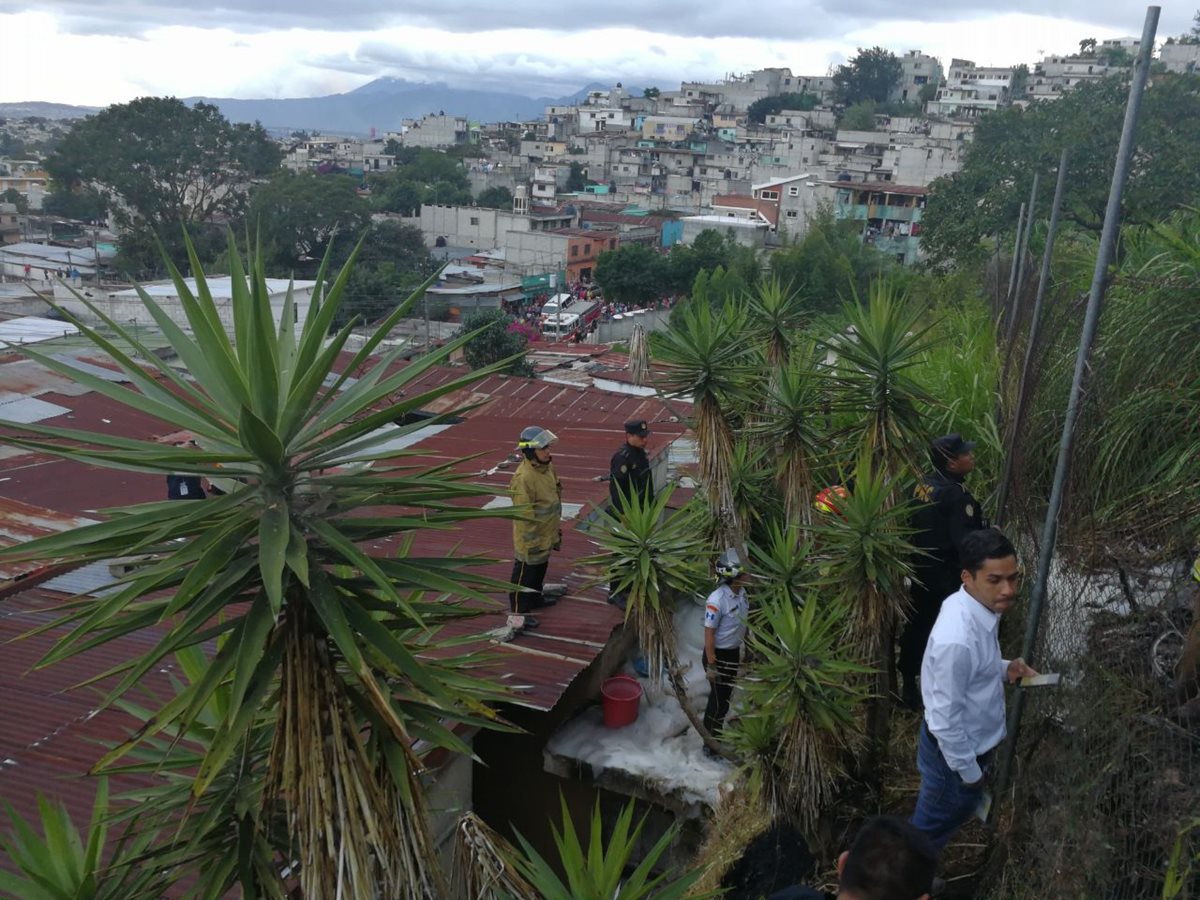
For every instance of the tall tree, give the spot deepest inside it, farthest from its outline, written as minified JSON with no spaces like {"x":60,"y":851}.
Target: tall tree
{"x":167,"y":163}
{"x":495,"y":198}
{"x":770,"y":106}
{"x":982,"y":198}
{"x":496,"y":337}
{"x":298,"y":216}
{"x":633,"y":274}
{"x":870,"y":75}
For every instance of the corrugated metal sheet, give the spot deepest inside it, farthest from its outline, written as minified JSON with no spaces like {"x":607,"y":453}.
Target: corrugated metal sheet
{"x":96,"y":578}
{"x":105,"y":372}
{"x":25,"y":410}
{"x":21,"y":522}
{"x":34,"y":330}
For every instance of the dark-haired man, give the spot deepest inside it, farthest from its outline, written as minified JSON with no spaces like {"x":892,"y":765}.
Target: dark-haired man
{"x":962,"y":686}
{"x":946,"y":514}
{"x":889,"y":860}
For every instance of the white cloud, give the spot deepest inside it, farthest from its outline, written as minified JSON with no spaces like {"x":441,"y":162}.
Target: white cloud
{"x":75,"y":57}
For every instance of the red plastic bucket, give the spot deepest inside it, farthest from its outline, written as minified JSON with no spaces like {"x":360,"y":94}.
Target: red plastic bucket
{"x":621,"y":695}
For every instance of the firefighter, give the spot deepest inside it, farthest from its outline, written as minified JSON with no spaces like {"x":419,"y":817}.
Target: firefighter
{"x":536,"y":489}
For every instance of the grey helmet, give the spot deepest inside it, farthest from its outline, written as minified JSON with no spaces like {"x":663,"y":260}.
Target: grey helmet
{"x":729,"y":564}
{"x":536,"y":438}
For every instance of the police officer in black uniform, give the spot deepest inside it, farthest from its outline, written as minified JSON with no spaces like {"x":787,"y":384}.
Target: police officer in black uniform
{"x":629,"y":473}
{"x":945,"y":515}
{"x":629,"y":469}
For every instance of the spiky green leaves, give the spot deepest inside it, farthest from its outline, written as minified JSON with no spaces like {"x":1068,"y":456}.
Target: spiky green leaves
{"x":599,"y":870}
{"x":279,"y":561}
{"x":880,"y":402}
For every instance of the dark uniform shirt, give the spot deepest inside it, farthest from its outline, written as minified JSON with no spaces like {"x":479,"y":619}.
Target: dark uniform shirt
{"x":946,"y":513}
{"x":629,"y":471}
{"x":184,"y":487}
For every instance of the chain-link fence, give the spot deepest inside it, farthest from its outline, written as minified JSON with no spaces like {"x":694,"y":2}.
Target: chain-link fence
{"x":1105,"y":798}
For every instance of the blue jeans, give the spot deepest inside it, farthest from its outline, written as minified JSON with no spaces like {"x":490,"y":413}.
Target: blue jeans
{"x":944,"y":804}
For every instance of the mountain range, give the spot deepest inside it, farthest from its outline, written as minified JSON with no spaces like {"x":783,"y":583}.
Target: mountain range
{"x":378,"y":105}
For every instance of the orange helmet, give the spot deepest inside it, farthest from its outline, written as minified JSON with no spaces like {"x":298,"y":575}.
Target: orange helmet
{"x":826,"y":498}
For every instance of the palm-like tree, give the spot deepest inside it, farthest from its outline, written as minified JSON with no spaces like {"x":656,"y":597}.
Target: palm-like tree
{"x":63,"y":863}
{"x":878,"y":400}
{"x":325,"y":637}
{"x":750,"y":486}
{"x":707,"y":357}
{"x":775,"y":316}
{"x":801,"y":694}
{"x":865,"y":557}
{"x":789,"y":425}
{"x":655,"y":560}
{"x":229,"y":839}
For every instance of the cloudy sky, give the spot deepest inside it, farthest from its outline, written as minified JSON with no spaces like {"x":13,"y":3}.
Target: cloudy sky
{"x":95,"y":52}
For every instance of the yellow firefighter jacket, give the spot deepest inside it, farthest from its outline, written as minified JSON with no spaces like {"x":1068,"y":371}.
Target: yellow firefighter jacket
{"x":536,"y":488}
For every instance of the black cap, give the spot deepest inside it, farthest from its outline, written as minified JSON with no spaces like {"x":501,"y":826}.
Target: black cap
{"x":637,"y":427}
{"x":948,"y":447}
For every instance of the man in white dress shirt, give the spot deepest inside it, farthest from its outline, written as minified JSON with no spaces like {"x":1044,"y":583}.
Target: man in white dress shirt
{"x":962,"y":686}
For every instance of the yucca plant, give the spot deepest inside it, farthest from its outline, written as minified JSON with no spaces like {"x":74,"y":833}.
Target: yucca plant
{"x":801,"y":699}
{"x":790,"y":424}
{"x":656,"y":560}
{"x":229,"y":839}
{"x":879,"y":402}
{"x":63,"y":864}
{"x":864,"y":558}
{"x":865,"y":555}
{"x":314,"y":629}
{"x":775,"y":316}
{"x":750,"y":486}
{"x":706,"y":357}
{"x":783,"y":563}
{"x":599,"y":870}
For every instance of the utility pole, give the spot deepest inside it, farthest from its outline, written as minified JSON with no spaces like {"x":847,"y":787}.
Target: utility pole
{"x":1091,"y":323}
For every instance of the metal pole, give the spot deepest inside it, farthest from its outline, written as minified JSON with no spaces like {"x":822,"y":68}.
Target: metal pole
{"x":1091,"y":322}
{"x":1018,"y":416}
{"x":1014,"y":311}
{"x":1012,"y":269}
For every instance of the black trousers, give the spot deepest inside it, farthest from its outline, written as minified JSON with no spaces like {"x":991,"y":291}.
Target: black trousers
{"x":531,"y":577}
{"x":722,"y":689}
{"x":926,"y":604}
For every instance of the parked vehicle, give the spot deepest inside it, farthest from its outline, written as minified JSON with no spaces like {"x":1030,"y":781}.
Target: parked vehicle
{"x":557,"y":304}
{"x":568,"y":326}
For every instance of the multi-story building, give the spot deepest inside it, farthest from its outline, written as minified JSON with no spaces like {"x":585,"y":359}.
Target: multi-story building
{"x":1055,"y":75}
{"x":436,"y":132}
{"x":1180,"y":57}
{"x":10,"y":224}
{"x":603,"y":118}
{"x":890,"y":215}
{"x":917,"y":70}
{"x":668,"y":128}
{"x":970,"y":90}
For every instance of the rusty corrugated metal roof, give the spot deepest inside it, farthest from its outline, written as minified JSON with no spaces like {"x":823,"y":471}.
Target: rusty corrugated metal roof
{"x":48,"y":734}
{"x":21,"y":522}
